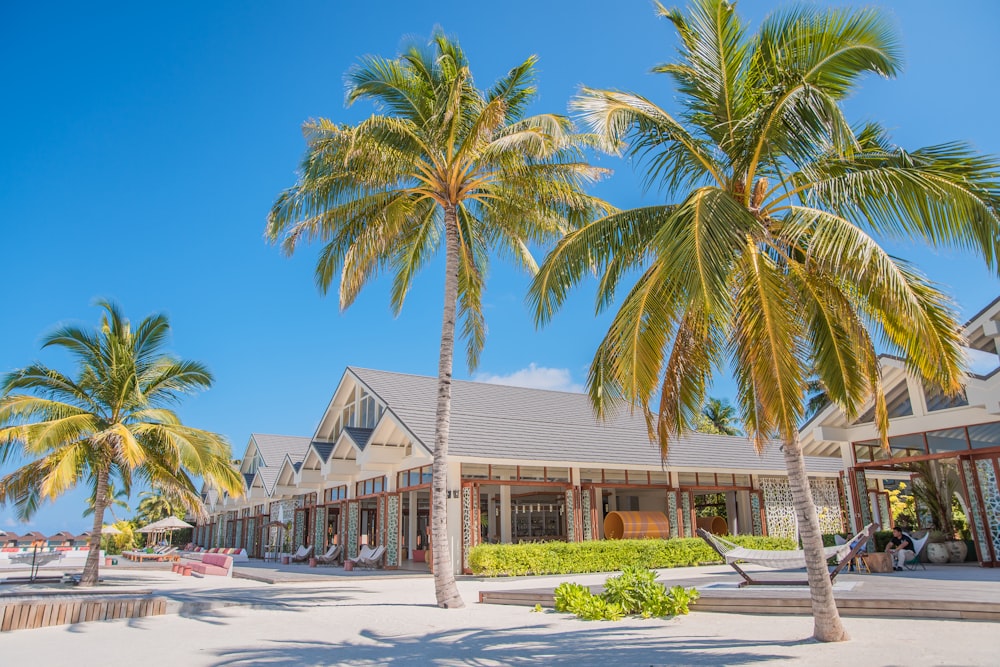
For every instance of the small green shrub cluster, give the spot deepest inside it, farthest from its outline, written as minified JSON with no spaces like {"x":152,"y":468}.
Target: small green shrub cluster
{"x":494,"y":560}
{"x":634,"y":591}
{"x":881,"y":539}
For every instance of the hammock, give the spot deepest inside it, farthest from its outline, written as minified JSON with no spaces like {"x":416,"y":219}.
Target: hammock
{"x":784,"y":559}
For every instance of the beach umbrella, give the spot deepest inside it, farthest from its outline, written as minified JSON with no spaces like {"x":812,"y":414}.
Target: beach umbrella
{"x":110,"y":530}
{"x":167,"y":525}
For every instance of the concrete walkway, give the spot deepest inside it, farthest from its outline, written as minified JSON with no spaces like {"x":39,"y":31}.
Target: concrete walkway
{"x":392,"y":621}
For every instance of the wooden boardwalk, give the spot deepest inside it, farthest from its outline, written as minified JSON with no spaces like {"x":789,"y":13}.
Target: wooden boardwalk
{"x":955,"y":592}
{"x":42,"y":609}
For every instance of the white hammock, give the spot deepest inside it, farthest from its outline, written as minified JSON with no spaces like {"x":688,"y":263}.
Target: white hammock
{"x":778,"y":559}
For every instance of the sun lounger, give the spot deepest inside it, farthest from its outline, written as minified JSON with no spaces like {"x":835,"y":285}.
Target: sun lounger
{"x":302,"y":554}
{"x":732,"y":553}
{"x":368,"y":557}
{"x":331,"y":556}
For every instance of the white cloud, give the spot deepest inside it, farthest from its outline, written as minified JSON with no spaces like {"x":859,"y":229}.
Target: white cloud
{"x":535,"y":377}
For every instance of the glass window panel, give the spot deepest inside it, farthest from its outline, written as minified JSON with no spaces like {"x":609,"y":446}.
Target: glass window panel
{"x":862,"y":452}
{"x":909,"y":443}
{"x":532,"y":473}
{"x":612,"y":476}
{"x":686,"y":479}
{"x":557,"y":474}
{"x":504,"y":472}
{"x":590,"y":475}
{"x":659,"y":477}
{"x":475,"y":470}
{"x":947,"y":440}
{"x":897,"y":402}
{"x":936,"y":400}
{"x":985,"y":435}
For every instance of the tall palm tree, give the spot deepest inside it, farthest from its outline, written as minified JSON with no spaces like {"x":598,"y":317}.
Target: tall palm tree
{"x":111,"y":420}
{"x":158,"y":504}
{"x":445,"y":163}
{"x":722,"y":415}
{"x":767,"y":254}
{"x":115,"y":498}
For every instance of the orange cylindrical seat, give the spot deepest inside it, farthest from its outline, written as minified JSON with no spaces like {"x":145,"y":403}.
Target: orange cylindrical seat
{"x":636,"y":525}
{"x":713,"y":524}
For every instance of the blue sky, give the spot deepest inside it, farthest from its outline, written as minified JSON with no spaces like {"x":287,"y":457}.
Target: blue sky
{"x":141,"y":146}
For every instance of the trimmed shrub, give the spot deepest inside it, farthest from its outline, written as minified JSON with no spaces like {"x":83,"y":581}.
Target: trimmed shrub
{"x":497,"y":560}
{"x":881,"y":539}
{"x":634,"y":592}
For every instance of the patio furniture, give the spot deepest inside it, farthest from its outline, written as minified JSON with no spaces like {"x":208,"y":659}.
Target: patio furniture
{"x":372,"y":560}
{"x":779,"y":559}
{"x":303,"y":554}
{"x":918,"y":545}
{"x":365,"y":553}
{"x":858,"y":563}
{"x":331,"y":556}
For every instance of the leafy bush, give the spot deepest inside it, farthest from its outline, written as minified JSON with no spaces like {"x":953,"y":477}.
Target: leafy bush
{"x":634,"y":591}
{"x":493,"y":560}
{"x":881,"y":539}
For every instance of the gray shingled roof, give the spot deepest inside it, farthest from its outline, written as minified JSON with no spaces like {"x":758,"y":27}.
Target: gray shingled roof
{"x":323,"y":449}
{"x":273,"y":448}
{"x":502,"y":422}
{"x":358,"y":435}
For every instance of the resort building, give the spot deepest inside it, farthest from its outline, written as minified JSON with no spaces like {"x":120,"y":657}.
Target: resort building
{"x":924,"y":426}
{"x":523,"y":465}
{"x":528,"y":464}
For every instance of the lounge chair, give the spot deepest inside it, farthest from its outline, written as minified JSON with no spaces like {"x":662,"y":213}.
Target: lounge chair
{"x":372,"y":560}
{"x":303,"y":554}
{"x":918,"y":545}
{"x":779,"y":559}
{"x":331,"y":556}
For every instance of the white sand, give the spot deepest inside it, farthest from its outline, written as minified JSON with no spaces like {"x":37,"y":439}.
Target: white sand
{"x":393,"y":622}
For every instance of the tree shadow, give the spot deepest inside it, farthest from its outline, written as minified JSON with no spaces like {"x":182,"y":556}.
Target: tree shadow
{"x":590,"y":645}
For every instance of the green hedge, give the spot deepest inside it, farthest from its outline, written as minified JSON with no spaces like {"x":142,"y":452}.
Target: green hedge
{"x":881,"y":539}
{"x":496,"y":560}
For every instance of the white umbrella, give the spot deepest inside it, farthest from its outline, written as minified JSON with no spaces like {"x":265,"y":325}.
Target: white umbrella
{"x":110,"y":530}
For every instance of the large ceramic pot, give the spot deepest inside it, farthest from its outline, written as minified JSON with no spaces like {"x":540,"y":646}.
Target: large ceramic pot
{"x":938,"y":553}
{"x":957,"y":551}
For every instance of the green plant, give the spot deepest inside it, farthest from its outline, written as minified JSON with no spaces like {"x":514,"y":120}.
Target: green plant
{"x":494,"y":560}
{"x":634,"y":592}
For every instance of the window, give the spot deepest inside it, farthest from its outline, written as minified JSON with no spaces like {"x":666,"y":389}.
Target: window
{"x":334,"y":494}
{"x":947,"y":440}
{"x":985,"y":435}
{"x":369,"y":487}
{"x":415,"y":477}
{"x":936,"y":400}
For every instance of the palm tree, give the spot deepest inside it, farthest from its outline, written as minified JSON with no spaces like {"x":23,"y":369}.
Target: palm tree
{"x":115,"y":498}
{"x":767,"y":255}
{"x":722,"y":416}
{"x":109,"y":421}
{"x":446,"y":163}
{"x":158,"y":504}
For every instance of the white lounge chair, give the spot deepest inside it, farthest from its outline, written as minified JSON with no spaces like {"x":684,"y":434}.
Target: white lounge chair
{"x":918,"y":544}
{"x":331,"y":556}
{"x":303,"y":554}
{"x":373,"y":559}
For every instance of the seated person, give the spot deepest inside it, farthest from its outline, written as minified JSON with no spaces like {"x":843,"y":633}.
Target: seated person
{"x":899,"y":547}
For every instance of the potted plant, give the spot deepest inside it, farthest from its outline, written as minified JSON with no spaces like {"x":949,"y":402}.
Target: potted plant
{"x":934,"y":491}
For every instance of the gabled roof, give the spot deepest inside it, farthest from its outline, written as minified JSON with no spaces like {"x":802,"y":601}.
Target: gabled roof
{"x":274,"y":448}
{"x":358,"y":435}
{"x":322,"y":449}
{"x":502,"y":422}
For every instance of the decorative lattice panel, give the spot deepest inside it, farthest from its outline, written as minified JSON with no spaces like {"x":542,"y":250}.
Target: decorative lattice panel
{"x":588,"y":517}
{"x":381,"y":519}
{"x":672,"y":513}
{"x":353,"y":520}
{"x":571,"y":535}
{"x":779,"y":507}
{"x":991,"y":499}
{"x":861,"y":487}
{"x":392,"y":516}
{"x":253,"y":537}
{"x":826,"y":497}
{"x":756,"y":525}
{"x":779,"y":512}
{"x":467,"y":525}
{"x":978,"y":528}
{"x":319,"y":531}
{"x":239,"y":534}
{"x":686,"y":513}
{"x":299,"y":530}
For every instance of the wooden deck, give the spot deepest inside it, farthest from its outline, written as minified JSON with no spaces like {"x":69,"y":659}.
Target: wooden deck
{"x":944,"y":592}
{"x":43,"y":609}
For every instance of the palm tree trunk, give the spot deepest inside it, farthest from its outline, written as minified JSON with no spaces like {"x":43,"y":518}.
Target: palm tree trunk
{"x":445,"y":588}
{"x":92,"y":566}
{"x":826,"y":619}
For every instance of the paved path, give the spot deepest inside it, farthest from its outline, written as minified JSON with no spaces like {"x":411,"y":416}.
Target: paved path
{"x":392,"y":621}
